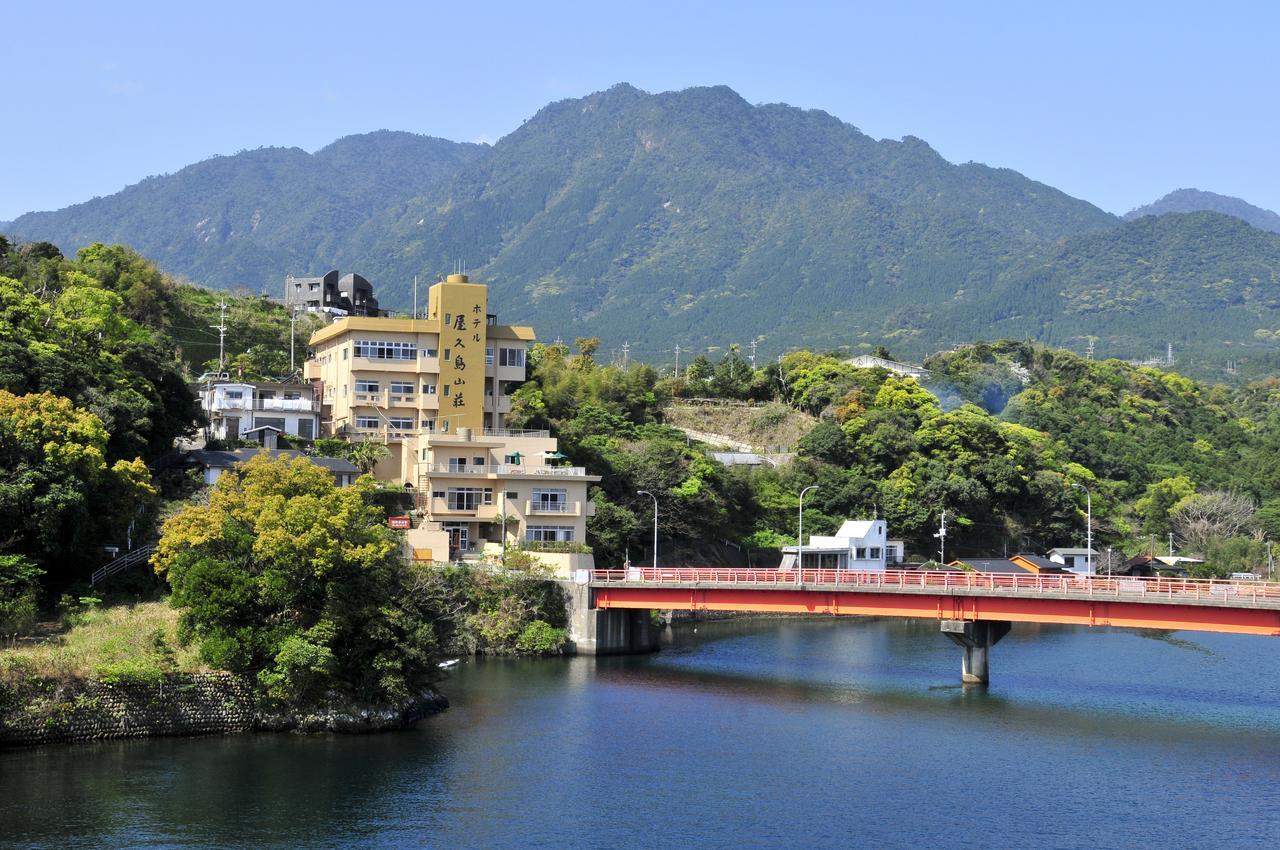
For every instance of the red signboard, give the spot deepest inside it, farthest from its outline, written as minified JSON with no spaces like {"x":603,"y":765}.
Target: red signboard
{"x":398,"y":521}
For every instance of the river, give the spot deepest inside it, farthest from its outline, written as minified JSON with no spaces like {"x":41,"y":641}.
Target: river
{"x":741,"y":734}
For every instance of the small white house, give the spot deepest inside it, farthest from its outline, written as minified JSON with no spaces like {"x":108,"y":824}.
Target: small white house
{"x":240,"y":409}
{"x":1077,"y":561}
{"x":859,"y":545}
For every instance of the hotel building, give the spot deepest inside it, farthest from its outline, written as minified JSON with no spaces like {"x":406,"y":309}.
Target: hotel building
{"x":435,"y":390}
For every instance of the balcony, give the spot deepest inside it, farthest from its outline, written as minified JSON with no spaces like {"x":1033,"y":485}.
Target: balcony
{"x":447,"y":508}
{"x":501,"y":405}
{"x":566,"y":509}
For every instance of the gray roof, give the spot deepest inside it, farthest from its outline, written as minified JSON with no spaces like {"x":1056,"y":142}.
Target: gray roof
{"x":226,"y":459}
{"x":993,"y":565}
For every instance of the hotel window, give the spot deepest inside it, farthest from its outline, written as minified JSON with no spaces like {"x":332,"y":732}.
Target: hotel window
{"x":478,"y":461}
{"x":446,"y":389}
{"x":428,"y":425}
{"x":401,"y":388}
{"x":514,"y":459}
{"x":368,"y":423}
{"x":448,"y":319}
{"x":488,"y":356}
{"x":511,"y":357}
{"x":367,"y":387}
{"x":401,"y":423}
{"x":379,"y":350}
{"x":549,"y":533}
{"x":429,"y":389}
{"x":428,"y":352}
{"x":467,"y":498}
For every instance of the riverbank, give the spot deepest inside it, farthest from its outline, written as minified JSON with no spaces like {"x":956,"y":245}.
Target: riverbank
{"x":41,"y":710}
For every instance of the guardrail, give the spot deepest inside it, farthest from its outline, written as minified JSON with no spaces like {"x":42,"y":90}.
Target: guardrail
{"x":125,"y":561}
{"x":1134,"y":589}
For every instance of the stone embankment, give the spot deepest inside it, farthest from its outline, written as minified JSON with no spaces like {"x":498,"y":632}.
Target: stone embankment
{"x":42,"y":711}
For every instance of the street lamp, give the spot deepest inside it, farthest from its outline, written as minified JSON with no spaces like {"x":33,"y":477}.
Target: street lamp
{"x":655,"y":524}
{"x":1088,"y":528}
{"x":800,"y":537}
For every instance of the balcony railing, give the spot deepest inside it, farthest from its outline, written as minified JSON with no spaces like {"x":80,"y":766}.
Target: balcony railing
{"x":301,"y":405}
{"x":462,"y":507}
{"x":554,"y":508}
{"x":506,"y":469}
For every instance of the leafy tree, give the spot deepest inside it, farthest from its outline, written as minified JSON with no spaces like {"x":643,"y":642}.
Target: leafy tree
{"x":63,"y":499}
{"x":291,"y":579}
{"x":1161,"y":497}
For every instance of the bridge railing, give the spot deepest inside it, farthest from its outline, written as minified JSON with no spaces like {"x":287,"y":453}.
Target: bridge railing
{"x":1114,"y":587}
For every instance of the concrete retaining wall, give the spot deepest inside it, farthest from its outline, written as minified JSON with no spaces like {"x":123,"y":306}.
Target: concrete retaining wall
{"x":44,"y":711}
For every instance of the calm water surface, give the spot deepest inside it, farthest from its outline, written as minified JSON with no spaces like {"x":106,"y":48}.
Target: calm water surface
{"x":816,"y":733}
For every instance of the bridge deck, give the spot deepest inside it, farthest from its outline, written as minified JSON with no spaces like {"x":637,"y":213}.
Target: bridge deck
{"x":1198,"y":604}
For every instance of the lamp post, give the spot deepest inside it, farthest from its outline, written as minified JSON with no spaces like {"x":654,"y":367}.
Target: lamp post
{"x":655,"y":524}
{"x":800,"y":537}
{"x":1088,"y":528}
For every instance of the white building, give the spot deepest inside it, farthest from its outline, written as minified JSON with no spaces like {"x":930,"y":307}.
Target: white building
{"x":870,"y":361}
{"x":860,"y":545}
{"x":1077,"y":561}
{"x":236,"y":408}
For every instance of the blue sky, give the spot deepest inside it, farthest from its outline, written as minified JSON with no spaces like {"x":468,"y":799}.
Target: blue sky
{"x":1117,"y":103}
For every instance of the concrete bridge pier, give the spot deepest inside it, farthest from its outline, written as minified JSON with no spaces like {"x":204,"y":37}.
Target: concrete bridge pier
{"x":975,"y":638}
{"x":606,"y":631}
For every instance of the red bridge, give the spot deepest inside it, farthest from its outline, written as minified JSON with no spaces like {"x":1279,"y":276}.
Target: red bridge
{"x":974,"y":609}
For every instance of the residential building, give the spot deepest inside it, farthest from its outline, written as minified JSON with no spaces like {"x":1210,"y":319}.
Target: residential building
{"x":1014,"y":564}
{"x":247,"y":410}
{"x":1079,"y":561}
{"x":860,"y":545}
{"x":870,"y":361}
{"x":213,"y":464}
{"x":436,"y":391}
{"x":348,"y":295}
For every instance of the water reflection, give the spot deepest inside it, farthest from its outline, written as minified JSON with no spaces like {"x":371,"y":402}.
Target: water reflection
{"x":746,"y":733}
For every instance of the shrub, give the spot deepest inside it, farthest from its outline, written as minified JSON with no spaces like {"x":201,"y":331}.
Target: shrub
{"x":541,"y":637}
{"x":18,"y":590}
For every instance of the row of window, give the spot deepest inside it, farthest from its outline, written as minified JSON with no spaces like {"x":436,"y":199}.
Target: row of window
{"x":381,"y":350}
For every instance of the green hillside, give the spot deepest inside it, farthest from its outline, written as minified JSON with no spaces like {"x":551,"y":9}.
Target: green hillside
{"x":698,"y":219}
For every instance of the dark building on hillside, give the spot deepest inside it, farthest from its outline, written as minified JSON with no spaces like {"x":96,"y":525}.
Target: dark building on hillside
{"x":349,"y":295}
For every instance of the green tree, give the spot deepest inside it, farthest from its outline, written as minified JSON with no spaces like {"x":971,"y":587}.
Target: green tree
{"x":366,"y":454}
{"x":291,"y":579}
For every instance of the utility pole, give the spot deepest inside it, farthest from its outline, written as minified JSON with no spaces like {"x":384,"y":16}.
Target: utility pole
{"x":221,"y":328}
{"x":1168,"y":357}
{"x":1088,"y":570}
{"x":1271,"y":564}
{"x":752,"y":355}
{"x":415,"y":296}
{"x":1170,"y":544}
{"x":677,"y":361}
{"x":626,"y":350}
{"x":942,"y":538}
{"x":293,"y":320}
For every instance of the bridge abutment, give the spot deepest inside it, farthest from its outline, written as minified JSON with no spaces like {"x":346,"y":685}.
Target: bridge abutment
{"x":975,"y":638}
{"x":606,"y":631}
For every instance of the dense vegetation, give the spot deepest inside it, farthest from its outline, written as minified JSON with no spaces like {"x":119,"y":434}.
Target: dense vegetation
{"x":1007,"y":437}
{"x":695,"y":218}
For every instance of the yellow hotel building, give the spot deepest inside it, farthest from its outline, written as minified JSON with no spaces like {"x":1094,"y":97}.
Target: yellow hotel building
{"x":436,"y":391}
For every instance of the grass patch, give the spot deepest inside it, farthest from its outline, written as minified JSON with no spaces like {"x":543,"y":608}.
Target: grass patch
{"x":121,"y":643}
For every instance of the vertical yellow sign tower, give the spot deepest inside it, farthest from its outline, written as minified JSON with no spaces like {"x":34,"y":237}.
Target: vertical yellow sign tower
{"x":461,"y":308}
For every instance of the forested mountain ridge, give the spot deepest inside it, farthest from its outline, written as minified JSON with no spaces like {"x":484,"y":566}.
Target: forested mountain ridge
{"x":1196,"y":200}
{"x":698,"y":219}
{"x":247,"y":220}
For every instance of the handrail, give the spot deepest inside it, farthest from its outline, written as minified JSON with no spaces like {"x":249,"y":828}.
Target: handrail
{"x":1132,"y":588}
{"x":122,"y":563}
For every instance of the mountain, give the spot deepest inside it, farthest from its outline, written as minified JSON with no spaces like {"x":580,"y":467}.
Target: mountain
{"x":1194,"y":200}
{"x":248,"y":219}
{"x":698,"y":219}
